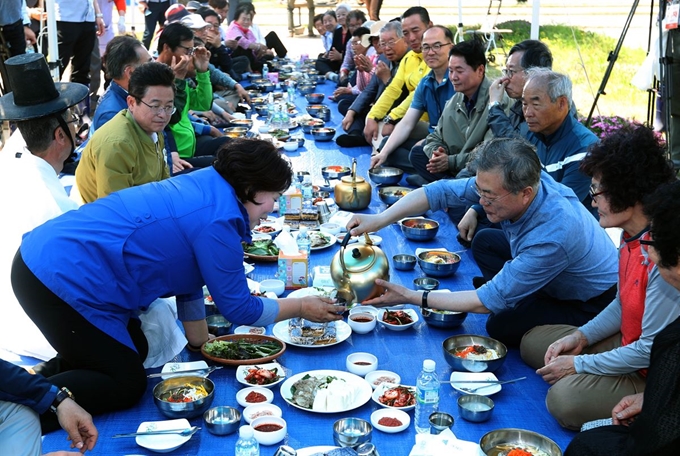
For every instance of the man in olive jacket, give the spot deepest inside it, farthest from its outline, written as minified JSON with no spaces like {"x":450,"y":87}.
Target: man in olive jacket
{"x":462,"y":124}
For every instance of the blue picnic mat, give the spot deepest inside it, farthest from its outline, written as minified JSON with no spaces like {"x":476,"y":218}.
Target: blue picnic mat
{"x":520,"y":405}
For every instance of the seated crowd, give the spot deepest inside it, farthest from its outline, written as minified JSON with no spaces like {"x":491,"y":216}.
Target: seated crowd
{"x":529,"y":187}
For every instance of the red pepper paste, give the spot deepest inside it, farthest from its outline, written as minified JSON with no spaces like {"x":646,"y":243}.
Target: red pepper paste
{"x":362,"y":363}
{"x":255,"y":397}
{"x":268,"y":427}
{"x":390,"y":422}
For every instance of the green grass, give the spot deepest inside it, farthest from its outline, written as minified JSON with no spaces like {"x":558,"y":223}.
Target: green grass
{"x":620,"y":98}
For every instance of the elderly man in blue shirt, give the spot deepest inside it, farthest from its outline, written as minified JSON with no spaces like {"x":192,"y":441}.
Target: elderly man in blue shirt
{"x":430,"y":96}
{"x":562,"y":266}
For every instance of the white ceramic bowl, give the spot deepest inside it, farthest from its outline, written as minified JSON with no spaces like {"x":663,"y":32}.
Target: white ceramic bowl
{"x":364,"y":309}
{"x":262,"y":237}
{"x":330,"y":228}
{"x":290,"y":146}
{"x":276,"y":286}
{"x":163,"y":443}
{"x":273,"y":437}
{"x":411,"y":313}
{"x":242,"y":394}
{"x":362,"y":323}
{"x":390,"y":413}
{"x":377,"y":377}
{"x":361,"y":363}
{"x":243,"y":371}
{"x":250,"y":330}
{"x":256,"y":411}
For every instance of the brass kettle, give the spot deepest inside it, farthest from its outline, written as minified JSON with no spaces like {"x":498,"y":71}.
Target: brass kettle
{"x":353,"y":193}
{"x":355,"y":269}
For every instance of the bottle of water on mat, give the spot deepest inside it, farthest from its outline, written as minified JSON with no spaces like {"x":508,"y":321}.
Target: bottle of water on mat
{"x":307,"y":189}
{"x":265,"y":72}
{"x":246,"y":445}
{"x":427,"y":396}
{"x":303,"y":242}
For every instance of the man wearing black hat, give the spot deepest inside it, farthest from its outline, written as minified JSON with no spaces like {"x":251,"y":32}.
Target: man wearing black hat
{"x":32,"y":194}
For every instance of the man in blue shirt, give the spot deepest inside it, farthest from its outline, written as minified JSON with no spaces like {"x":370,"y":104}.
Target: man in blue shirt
{"x":431,"y":94}
{"x":562,"y":266}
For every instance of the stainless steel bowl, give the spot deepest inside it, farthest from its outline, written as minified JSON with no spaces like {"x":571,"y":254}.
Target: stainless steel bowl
{"x":454,"y":343}
{"x":222,"y":420}
{"x":314,"y":98}
{"x":475,"y":408}
{"x":335,"y":172}
{"x":313,"y":109}
{"x":436,"y":263}
{"x":404,"y":262}
{"x":183,"y":409}
{"x":262,"y":110}
{"x":218,"y":325}
{"x":390,"y":195}
{"x":495,"y":442}
{"x":352,"y":432}
{"x":425,"y":283}
{"x":309,"y":125}
{"x":306,"y":89}
{"x":385,"y":175}
{"x":419,"y":229}
{"x":236,"y":132}
{"x":443,"y":318}
{"x":247,"y":123}
{"x":323,"y":134}
{"x":266,"y":87}
{"x":260,"y":80}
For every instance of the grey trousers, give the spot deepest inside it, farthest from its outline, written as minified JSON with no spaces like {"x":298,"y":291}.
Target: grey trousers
{"x":579,"y":398}
{"x":20,"y":433}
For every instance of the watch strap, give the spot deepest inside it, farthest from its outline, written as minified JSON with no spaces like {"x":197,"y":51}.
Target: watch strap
{"x":423,"y":302}
{"x":63,"y":394}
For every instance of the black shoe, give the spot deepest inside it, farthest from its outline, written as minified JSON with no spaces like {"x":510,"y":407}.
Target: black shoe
{"x":351,"y":141}
{"x":415,"y":180}
{"x":478,"y":282}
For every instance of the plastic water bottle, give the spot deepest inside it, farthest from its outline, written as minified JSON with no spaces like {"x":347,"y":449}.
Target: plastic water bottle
{"x":303,"y":242}
{"x":427,"y":396}
{"x":246,"y":445}
{"x":291,"y":92}
{"x":307,"y":189}
{"x":271,"y":107}
{"x":265,"y":72}
{"x":29,"y":47}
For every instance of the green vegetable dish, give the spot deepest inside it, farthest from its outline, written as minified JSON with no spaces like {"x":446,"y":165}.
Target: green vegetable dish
{"x":242,"y":349}
{"x":263,"y":248}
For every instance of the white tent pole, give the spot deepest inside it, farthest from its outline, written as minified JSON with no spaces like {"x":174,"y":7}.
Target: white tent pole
{"x":535,"y":19}
{"x":52,"y":40}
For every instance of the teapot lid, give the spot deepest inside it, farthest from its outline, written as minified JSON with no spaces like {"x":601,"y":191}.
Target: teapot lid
{"x":349,"y":180}
{"x":359,"y":257}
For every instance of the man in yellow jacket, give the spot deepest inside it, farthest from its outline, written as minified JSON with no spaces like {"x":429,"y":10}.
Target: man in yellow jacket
{"x":412,"y":69}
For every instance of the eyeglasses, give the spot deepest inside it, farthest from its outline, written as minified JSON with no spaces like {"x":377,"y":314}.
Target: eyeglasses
{"x":75,"y":119}
{"x":486,"y":201}
{"x":436,"y":47}
{"x":167,"y":110}
{"x":355,"y":43}
{"x":212,"y":26}
{"x":389,"y":44}
{"x":508,"y":73}
{"x":593,"y":191}
{"x":190,"y":50}
{"x":647,"y":242}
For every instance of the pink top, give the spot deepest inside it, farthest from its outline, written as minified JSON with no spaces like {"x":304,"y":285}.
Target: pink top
{"x":247,"y":36}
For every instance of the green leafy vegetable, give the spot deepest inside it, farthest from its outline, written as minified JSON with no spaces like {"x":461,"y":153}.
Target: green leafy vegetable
{"x":242,"y":349}
{"x":263,"y":247}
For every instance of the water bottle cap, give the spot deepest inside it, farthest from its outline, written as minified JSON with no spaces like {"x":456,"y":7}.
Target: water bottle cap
{"x":303,"y":230}
{"x":246,"y":432}
{"x":429,"y":365}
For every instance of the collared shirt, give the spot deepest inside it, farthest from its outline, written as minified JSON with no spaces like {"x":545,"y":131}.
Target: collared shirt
{"x":161,"y":239}
{"x":557,"y":246}
{"x":74,"y":10}
{"x":327,"y":40}
{"x":431,"y":96}
{"x":561,"y":154}
{"x":11,"y":11}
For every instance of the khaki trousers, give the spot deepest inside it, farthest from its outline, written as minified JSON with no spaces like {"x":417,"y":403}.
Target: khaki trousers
{"x":579,"y":398}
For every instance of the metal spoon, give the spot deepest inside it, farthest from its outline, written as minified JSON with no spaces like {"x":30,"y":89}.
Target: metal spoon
{"x":488,"y":383}
{"x":207,"y":370}
{"x":186,"y":432}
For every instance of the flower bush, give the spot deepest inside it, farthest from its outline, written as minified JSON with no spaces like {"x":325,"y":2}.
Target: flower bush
{"x":603,"y":126}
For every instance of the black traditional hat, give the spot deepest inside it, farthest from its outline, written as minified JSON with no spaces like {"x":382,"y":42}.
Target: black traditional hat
{"x":35,"y":94}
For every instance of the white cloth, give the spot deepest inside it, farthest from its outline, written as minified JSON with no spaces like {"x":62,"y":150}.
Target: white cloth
{"x":31,"y":194}
{"x":159,"y":324}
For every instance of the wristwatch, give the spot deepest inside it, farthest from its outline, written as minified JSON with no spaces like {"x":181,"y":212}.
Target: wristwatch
{"x":389,"y":120}
{"x":494,"y":103}
{"x":62,"y":395}
{"x":423,"y":303}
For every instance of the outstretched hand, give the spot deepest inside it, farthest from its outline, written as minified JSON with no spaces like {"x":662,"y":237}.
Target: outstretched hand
{"x":78,"y":425}
{"x":394,"y":294}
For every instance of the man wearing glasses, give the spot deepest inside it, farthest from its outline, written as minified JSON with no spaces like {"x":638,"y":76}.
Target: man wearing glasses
{"x":129,"y":149}
{"x":561,"y":267}
{"x":523,"y":55}
{"x":432,"y":93}
{"x":412,"y":69}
